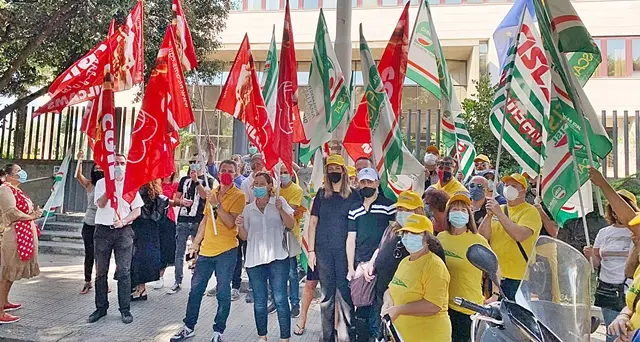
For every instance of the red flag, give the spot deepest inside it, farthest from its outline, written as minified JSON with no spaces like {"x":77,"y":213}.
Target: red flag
{"x":166,"y":107}
{"x":241,"y":97}
{"x":184,"y":43}
{"x":80,"y":82}
{"x":392,"y":69}
{"x":287,"y":113}
{"x":105,"y":138}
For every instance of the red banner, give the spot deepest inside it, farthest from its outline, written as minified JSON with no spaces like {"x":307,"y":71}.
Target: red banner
{"x":166,"y":107}
{"x":184,"y":42}
{"x":105,"y":139}
{"x":82,"y":81}
{"x":392,"y":69}
{"x":241,"y":97}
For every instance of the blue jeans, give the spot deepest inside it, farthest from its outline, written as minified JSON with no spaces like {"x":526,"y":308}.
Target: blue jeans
{"x":223,"y":265}
{"x":294,"y":285}
{"x":277,"y":273}
{"x":183,"y":230}
{"x":609,"y":316}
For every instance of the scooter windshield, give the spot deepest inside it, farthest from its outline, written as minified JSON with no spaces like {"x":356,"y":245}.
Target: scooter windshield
{"x":556,"y":289}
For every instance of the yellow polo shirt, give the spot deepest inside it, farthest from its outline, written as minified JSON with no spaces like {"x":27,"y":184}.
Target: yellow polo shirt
{"x":426,"y":278}
{"x":451,"y":188}
{"x":233,"y":202}
{"x":293,"y":195}
{"x":466,"y":279}
{"x":511,"y":260}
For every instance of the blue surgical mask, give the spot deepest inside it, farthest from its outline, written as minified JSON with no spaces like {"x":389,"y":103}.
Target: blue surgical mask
{"x":195,"y":167}
{"x":260,"y":191}
{"x":412,"y":242}
{"x":476,"y":193}
{"x":285,"y":179}
{"x":401,"y":217}
{"x":22,"y":176}
{"x":427,"y":211}
{"x":119,"y":171}
{"x":253,"y":150}
{"x":459,"y":219}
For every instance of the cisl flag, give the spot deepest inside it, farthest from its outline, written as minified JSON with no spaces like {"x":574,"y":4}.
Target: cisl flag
{"x":392,"y":66}
{"x":184,"y":42}
{"x":80,"y":82}
{"x":166,"y":107}
{"x":241,"y":98}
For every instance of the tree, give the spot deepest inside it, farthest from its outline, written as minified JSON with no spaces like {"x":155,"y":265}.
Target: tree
{"x":41,"y":38}
{"x":476,"y":110}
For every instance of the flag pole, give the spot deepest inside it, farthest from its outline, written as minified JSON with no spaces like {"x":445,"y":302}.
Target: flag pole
{"x":584,"y":214}
{"x":343,"y":50}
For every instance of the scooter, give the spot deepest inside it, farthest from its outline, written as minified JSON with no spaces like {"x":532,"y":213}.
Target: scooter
{"x":552,"y":304}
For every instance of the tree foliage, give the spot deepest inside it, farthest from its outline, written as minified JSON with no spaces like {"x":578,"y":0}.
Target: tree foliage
{"x":476,"y":110}
{"x":41,"y":38}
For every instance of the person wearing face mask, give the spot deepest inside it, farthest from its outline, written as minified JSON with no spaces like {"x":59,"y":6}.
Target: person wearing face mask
{"x":418,"y":295}
{"x":459,"y":234}
{"x":499,"y":186}
{"x":446,"y":181}
{"x":479,"y":190}
{"x":190,"y":197}
{"x":215,"y":246}
{"x":293,"y":194}
{"x":367,"y":222}
{"x":19,"y":248}
{"x":512,"y":231}
{"x":353,"y":177}
{"x":430,"y":166}
{"x":89,"y":222}
{"x":263,"y":223}
{"x":114,"y":234}
{"x":252,"y":149}
{"x":328,"y":227}
{"x":435,"y":203}
{"x":239,"y":177}
{"x":257,"y":165}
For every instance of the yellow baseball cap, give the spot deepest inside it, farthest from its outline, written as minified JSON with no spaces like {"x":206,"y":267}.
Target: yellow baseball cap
{"x":628,"y":195}
{"x":417,"y":224}
{"x":635,"y":221}
{"x":518,"y":178}
{"x":433,"y":149}
{"x":351,"y":171}
{"x":335,"y":159}
{"x":460,"y":196}
{"x":409,"y":200}
{"x":482,"y":157}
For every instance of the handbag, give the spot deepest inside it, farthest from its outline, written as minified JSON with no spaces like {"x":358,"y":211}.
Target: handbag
{"x":362,"y":291}
{"x":609,"y":296}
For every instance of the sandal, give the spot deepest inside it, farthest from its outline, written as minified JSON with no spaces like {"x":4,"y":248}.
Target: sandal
{"x":85,"y":289}
{"x":299,"y":331}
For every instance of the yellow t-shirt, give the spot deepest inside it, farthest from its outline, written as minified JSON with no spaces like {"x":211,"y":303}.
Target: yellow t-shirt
{"x":233,"y":202}
{"x":293,"y":195}
{"x":466,"y":279}
{"x":510,"y":259}
{"x":630,"y":299}
{"x":426,"y":278}
{"x":452,"y":188}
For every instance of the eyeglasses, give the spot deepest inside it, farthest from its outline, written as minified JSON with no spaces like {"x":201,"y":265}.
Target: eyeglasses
{"x":397,"y":252}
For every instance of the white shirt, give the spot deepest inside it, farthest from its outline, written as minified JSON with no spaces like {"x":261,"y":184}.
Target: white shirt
{"x":246,"y":187}
{"x":265,"y":233}
{"x":613,"y":240}
{"x":106,"y":216}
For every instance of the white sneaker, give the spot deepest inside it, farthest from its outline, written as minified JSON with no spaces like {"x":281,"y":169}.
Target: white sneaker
{"x":157,"y":285}
{"x":235,"y":294}
{"x":174,"y":289}
{"x":217,"y":337}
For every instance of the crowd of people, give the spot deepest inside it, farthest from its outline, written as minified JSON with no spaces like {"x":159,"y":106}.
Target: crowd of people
{"x":375,"y":258}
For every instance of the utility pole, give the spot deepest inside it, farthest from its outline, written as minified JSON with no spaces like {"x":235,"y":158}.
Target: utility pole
{"x":343,"y":48}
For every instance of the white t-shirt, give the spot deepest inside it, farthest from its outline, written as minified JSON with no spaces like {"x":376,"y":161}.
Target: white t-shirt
{"x":106,"y":216}
{"x":266,"y":233}
{"x":246,"y":187}
{"x":615,"y":244}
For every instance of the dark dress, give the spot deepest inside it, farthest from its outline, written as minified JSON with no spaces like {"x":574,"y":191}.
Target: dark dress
{"x":146,"y":262}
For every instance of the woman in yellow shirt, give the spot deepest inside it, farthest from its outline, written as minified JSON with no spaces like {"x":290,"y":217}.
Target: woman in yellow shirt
{"x":418,"y":295}
{"x":460,"y":232}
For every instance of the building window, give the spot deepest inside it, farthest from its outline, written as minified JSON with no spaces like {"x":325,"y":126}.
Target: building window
{"x":475,"y":1}
{"x":599,"y":68}
{"x":273,"y":4}
{"x":331,"y":4}
{"x":369,"y":3}
{"x":254,"y":5}
{"x":616,"y":58}
{"x":389,"y":2}
{"x":635,"y":57}
{"x":434,"y":2}
{"x":453,"y":2}
{"x":484,"y":62}
{"x":310,"y":4}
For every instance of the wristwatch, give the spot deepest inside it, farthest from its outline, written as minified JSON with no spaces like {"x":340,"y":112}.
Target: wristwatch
{"x":216,"y":207}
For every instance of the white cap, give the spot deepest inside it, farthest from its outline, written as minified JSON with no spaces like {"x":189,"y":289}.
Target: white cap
{"x":369,"y":174}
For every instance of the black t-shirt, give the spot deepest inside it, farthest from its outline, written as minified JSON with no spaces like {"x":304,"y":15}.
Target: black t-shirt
{"x":370,"y":225}
{"x":387,"y":263}
{"x":479,"y":214}
{"x":332,"y":214}
{"x":189,"y":191}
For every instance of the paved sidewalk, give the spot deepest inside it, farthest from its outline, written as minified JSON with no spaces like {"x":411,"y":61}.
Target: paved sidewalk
{"x":55,"y":311}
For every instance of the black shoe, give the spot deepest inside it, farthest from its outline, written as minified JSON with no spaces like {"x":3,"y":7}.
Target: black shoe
{"x":295,"y":311}
{"x":142,"y":296}
{"x":96,"y":315}
{"x":249,"y":297}
{"x":126,"y":316}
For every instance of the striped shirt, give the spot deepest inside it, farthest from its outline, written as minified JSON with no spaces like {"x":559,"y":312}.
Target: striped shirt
{"x":370,"y":225}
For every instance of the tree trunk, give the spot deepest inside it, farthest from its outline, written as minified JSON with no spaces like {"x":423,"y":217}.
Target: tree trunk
{"x":20,"y":132}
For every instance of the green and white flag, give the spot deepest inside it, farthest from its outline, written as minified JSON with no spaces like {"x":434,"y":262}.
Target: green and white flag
{"x":269,"y":82}
{"x":399,"y":170}
{"x":57,"y":190}
{"x":525,"y":86}
{"x":422,"y":65}
{"x":327,"y":96}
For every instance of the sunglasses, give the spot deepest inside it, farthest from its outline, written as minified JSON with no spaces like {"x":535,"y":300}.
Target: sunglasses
{"x":474,"y":185}
{"x":397,"y":252}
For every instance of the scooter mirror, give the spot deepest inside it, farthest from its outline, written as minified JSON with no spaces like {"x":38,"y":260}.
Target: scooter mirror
{"x":483,"y":258}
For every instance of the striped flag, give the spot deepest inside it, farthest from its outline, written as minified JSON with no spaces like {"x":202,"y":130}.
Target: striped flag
{"x":524,"y":91}
{"x":422,"y":65}
{"x":57,"y":190}
{"x":269,"y":80}
{"x":399,"y":170}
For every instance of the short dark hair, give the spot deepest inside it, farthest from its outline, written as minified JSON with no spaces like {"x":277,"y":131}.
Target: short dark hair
{"x":365,"y":158}
{"x":266,"y":176}
{"x":6,"y":170}
{"x":436,"y":199}
{"x":229,"y":162}
{"x":121,"y":155}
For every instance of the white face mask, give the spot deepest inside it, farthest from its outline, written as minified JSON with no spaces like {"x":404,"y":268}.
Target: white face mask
{"x":511,"y":193}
